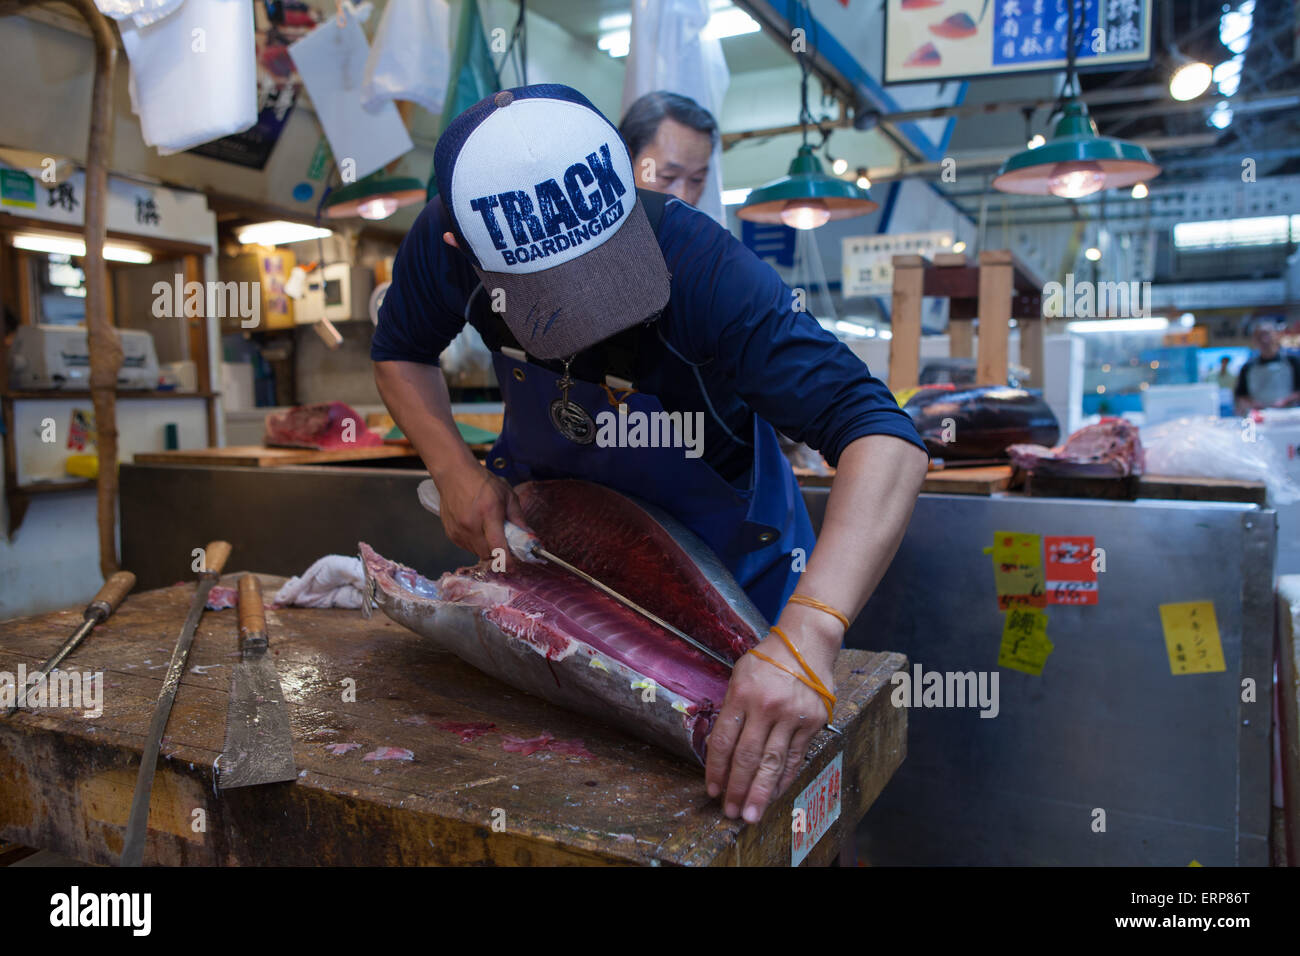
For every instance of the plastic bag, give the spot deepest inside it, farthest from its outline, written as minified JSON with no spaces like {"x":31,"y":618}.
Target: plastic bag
{"x":1218,"y":448}
{"x":141,"y":12}
{"x":410,"y":58}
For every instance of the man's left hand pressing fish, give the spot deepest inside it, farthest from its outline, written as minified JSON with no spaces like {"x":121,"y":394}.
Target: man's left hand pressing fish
{"x":604,"y":306}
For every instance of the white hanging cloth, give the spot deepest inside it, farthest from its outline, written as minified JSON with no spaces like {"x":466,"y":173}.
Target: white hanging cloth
{"x":670,"y":52}
{"x":410,"y":58}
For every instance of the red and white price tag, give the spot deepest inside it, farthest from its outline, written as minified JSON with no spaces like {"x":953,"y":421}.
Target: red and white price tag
{"x":1070,"y":576}
{"x":815,"y":809}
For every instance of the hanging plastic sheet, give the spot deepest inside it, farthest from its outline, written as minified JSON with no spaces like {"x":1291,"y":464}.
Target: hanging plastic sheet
{"x":670,"y":52}
{"x":193,"y":73}
{"x":410,"y":56}
{"x":331,"y":61}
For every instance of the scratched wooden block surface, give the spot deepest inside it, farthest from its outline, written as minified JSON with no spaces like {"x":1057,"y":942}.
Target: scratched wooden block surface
{"x":66,"y":778}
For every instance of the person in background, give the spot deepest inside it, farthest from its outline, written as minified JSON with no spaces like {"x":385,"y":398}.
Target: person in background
{"x":1271,"y":379}
{"x":671,"y":139}
{"x":1224,"y":378}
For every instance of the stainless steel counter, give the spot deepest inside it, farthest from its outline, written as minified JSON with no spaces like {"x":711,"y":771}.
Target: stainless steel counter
{"x":1178,"y":764}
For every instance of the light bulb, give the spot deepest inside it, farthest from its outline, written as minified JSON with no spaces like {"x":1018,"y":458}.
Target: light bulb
{"x":1073,"y":180}
{"x":805,"y":213}
{"x":1092,"y":254}
{"x":1036,"y":140}
{"x":1190,"y":80}
{"x":959,"y":246}
{"x":381,"y":207}
{"x":840,"y":166}
{"x":1140,"y":191}
{"x":864,"y":182}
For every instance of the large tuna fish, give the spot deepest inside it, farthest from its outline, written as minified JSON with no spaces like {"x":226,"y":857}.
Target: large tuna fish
{"x":976,"y":423}
{"x":549,"y":633}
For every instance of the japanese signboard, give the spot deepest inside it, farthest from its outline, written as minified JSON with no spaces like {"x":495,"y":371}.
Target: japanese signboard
{"x":868,"y":261}
{"x":925,"y":40}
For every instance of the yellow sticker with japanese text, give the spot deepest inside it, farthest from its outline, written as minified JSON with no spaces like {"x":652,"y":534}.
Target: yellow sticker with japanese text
{"x":1018,"y":569}
{"x":1024,"y":641}
{"x":1192,"y":637}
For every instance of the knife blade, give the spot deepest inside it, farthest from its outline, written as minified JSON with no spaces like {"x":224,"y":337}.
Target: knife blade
{"x":259,"y":740}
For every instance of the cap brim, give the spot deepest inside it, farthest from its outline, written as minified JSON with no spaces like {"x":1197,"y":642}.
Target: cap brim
{"x":557,"y":312}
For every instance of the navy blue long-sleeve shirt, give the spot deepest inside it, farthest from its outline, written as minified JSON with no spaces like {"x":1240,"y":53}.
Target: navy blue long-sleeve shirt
{"x":729,"y":344}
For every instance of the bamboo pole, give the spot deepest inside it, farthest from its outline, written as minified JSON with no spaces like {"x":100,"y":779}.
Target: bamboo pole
{"x":105,"y":345}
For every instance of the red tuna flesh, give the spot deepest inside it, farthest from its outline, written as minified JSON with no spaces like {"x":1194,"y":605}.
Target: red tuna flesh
{"x":548,"y":632}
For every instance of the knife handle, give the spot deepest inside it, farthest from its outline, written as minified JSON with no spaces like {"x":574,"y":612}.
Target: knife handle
{"x":523,"y":545}
{"x":252,"y":617}
{"x":215,"y":556}
{"x":114,"y":591}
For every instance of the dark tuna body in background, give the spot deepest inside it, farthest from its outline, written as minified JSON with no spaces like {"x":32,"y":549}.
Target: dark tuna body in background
{"x":984,"y":420}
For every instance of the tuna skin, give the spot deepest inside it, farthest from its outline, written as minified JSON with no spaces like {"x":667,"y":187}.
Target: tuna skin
{"x":547,"y":632}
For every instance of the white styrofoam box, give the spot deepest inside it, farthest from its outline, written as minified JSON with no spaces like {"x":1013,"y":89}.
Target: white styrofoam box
{"x":1164,"y":403}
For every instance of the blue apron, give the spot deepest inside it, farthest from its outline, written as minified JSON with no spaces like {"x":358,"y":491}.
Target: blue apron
{"x":753,"y":529}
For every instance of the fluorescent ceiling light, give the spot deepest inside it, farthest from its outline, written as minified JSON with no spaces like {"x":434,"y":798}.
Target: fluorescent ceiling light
{"x":1223,"y":233}
{"x":1119,"y":325}
{"x":725,"y":21}
{"x":279,"y":232}
{"x":734,"y":197}
{"x":730,"y":22}
{"x":616,"y":44}
{"x":68,"y":246}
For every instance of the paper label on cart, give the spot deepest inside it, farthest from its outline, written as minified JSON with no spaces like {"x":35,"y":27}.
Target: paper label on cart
{"x":815,"y":809}
{"x":1192,"y":638}
{"x":1070,"y":575}
{"x":1018,"y":569}
{"x":1025,"y":646}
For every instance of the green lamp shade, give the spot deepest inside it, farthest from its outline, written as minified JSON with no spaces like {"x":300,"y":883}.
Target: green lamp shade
{"x":374,"y":197}
{"x":1076,"y":161}
{"x":806,"y":197}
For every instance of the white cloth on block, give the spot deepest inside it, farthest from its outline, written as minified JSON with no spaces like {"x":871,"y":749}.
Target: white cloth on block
{"x":336,"y":580}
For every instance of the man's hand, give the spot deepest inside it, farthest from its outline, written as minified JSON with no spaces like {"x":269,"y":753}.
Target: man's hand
{"x":761,"y":734}
{"x":475,"y":507}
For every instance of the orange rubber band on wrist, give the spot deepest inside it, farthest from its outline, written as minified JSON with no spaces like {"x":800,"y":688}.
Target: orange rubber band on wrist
{"x":820,"y":606}
{"x":812,"y":681}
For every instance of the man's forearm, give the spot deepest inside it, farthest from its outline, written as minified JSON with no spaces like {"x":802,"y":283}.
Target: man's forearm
{"x":870,"y":504}
{"x":416,"y":396}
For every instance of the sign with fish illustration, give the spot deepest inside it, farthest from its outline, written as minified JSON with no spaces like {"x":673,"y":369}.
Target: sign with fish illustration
{"x":954,"y":39}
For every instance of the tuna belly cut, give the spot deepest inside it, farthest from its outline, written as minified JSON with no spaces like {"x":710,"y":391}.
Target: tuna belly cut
{"x":540,"y":629}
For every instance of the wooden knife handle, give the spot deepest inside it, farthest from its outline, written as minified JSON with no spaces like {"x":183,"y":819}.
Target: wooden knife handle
{"x":114,"y":591}
{"x":252,"y":618}
{"x":215,"y":556}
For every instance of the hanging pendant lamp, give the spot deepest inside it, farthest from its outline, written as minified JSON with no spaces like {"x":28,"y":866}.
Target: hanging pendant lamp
{"x":376,"y":196}
{"x":1076,"y":162}
{"x":806,"y":197}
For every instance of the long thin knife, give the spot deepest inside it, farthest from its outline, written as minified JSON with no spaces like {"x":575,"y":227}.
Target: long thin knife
{"x":526,"y":547}
{"x":137,"y":824}
{"x":117,"y":587}
{"x":259,"y":740}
